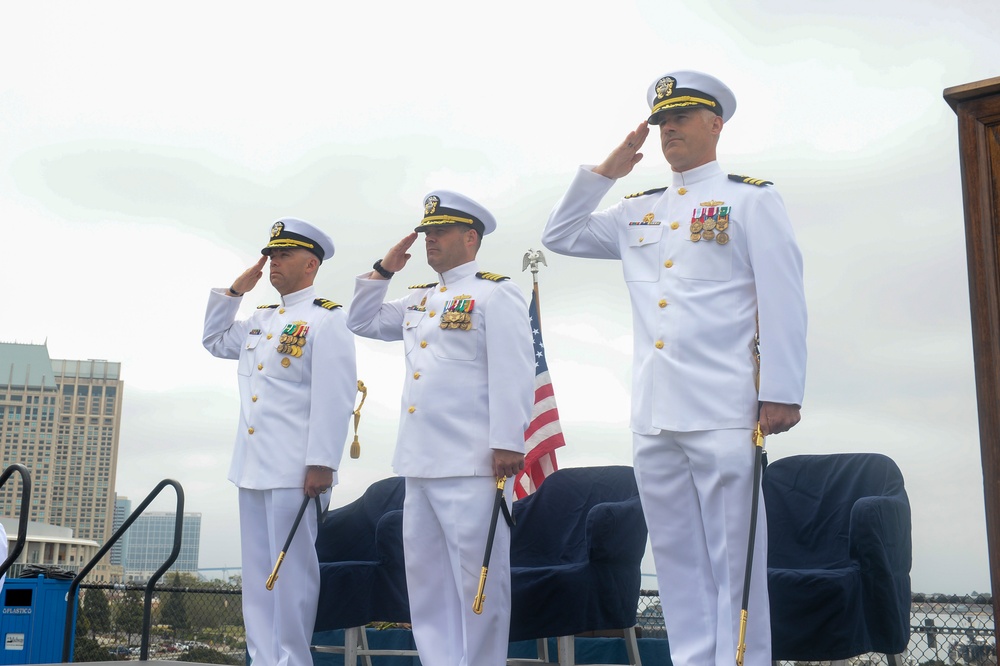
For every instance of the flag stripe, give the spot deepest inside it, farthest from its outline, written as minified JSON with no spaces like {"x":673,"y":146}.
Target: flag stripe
{"x":544,"y":434}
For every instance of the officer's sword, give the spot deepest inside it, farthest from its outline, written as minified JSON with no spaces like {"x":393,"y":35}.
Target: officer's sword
{"x":758,"y":454}
{"x":499,"y":504}
{"x":288,"y":542}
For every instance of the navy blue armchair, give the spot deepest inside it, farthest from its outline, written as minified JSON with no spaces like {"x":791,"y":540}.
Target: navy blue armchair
{"x":839,"y":556}
{"x":575,"y":556}
{"x":360,"y":549}
{"x":362,"y":576}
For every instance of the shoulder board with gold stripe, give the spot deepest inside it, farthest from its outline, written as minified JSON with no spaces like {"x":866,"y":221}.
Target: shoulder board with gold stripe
{"x":323,"y":303}
{"x":266,"y":307}
{"x":423,"y":286}
{"x":645,"y":192}
{"x":759,"y":182}
{"x":495,"y":277}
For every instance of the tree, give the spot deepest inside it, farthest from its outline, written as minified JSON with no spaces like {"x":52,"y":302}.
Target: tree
{"x":128,"y":614}
{"x":173,"y":608}
{"x":88,"y":649}
{"x":97,"y":611}
{"x":204,"y":655}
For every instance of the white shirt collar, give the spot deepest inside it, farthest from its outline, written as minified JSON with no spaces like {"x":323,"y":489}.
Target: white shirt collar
{"x":297,"y":297}
{"x":696,"y":175}
{"x":459,"y":272}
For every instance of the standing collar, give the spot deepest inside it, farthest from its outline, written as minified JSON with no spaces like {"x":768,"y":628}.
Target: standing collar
{"x":696,"y":175}
{"x":297,"y":297}
{"x":459,"y":272}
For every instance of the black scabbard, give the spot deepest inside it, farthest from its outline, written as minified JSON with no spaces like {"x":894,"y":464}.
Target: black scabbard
{"x":499,"y":504}
{"x":288,"y":542}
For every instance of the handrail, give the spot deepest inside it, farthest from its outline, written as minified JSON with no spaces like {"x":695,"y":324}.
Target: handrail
{"x":147,"y":607}
{"x":22,"y":525}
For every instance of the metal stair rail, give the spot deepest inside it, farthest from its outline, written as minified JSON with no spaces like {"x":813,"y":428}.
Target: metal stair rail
{"x":148,"y":601}
{"x":22,"y":525}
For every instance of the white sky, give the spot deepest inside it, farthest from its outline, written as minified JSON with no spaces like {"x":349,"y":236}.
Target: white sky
{"x":146,"y":149}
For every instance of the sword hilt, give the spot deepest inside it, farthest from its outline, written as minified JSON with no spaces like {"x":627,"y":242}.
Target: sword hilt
{"x":274,"y":574}
{"x":477,"y":604}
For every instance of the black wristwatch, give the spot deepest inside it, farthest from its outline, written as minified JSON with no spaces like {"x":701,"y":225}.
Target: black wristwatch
{"x":377,"y":267}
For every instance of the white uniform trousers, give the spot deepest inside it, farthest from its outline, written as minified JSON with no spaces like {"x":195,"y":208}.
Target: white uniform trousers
{"x":279,"y":623}
{"x":445,"y":525}
{"x":695,"y":489}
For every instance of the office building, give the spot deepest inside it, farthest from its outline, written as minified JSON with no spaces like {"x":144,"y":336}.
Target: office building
{"x":123,"y":508}
{"x":61,"y":420}
{"x":151,"y":539}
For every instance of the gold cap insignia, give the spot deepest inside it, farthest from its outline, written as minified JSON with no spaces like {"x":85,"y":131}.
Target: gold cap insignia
{"x":665,"y":87}
{"x":431,"y":204}
{"x":277,"y":228}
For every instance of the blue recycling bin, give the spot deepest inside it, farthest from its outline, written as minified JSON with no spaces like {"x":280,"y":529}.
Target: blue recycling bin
{"x":33,"y":620}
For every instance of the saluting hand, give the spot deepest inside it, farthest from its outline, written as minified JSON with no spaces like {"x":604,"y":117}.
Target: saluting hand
{"x":621,"y":160}
{"x":248,"y":280}
{"x":397,"y":256}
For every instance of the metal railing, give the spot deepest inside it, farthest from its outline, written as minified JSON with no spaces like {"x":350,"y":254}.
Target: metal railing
{"x":22,"y":524}
{"x":71,"y":597}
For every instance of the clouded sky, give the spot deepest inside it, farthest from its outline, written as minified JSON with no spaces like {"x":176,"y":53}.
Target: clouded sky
{"x":145,"y":151}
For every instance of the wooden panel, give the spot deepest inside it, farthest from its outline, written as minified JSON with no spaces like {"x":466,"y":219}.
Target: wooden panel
{"x":978,"y":109}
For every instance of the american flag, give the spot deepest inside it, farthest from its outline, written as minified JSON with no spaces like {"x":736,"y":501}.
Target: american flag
{"x":544,"y":434}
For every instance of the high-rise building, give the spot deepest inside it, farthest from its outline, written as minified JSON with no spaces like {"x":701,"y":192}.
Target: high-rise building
{"x":123,"y":508}
{"x":61,"y":419}
{"x":151,"y":538}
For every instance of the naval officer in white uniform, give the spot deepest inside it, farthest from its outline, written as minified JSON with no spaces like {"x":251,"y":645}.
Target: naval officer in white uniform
{"x":466,"y":401}
{"x":297,"y":381}
{"x":705,"y":259}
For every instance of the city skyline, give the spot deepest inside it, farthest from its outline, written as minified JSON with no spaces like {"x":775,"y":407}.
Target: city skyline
{"x":142,"y":174}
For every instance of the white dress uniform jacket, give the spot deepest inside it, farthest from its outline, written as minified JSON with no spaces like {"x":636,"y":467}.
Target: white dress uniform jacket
{"x":294,"y":411}
{"x":466,"y":391}
{"x":695,"y":302}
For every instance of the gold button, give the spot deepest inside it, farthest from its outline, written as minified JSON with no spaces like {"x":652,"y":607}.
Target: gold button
{"x":674,"y":225}
{"x":668,"y":263}
{"x":281,"y":311}
{"x":250,"y":430}
{"x":254,"y":398}
{"x":444,"y":288}
{"x":433,"y":313}
{"x":407,"y":323}
{"x":412,"y":409}
{"x":423,"y":343}
{"x":682,"y":191}
{"x":416,"y":375}
{"x":260,"y":366}
{"x":269,"y":336}
{"x":659,"y":344}
{"x":641,"y":238}
{"x":662,"y":303}
{"x":285,"y":362}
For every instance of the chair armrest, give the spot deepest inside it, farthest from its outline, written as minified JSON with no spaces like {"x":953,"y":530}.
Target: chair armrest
{"x":616,"y":531}
{"x":389,"y":536}
{"x":880,"y":542}
{"x":879,"y":536}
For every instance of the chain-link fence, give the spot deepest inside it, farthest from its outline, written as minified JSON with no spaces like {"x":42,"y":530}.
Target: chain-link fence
{"x":205,"y":624}
{"x":944,"y":630}
{"x":199,"y":624}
